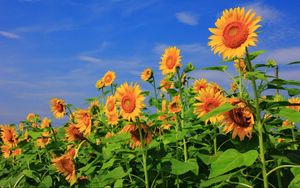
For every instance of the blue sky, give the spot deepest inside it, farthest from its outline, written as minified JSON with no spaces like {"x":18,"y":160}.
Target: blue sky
{"x":61,"y":48}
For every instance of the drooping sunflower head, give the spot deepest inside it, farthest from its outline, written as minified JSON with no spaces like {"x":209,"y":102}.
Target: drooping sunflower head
{"x":73,"y":133}
{"x":58,"y":107}
{"x":83,"y":120}
{"x":110,"y":105}
{"x":240,"y":120}
{"x":175,"y":105}
{"x":130,"y":100}
{"x":207,"y":100}
{"x":147,"y":74}
{"x":66,"y":166}
{"x":108,"y":78}
{"x":100,"y":84}
{"x":199,"y":84}
{"x":45,"y":122}
{"x":166,"y":84}
{"x":135,"y":136}
{"x":9,"y":136}
{"x":235,"y":30}
{"x":296,"y":102}
{"x":170,"y":60}
{"x":240,"y":65}
{"x":94,"y":107}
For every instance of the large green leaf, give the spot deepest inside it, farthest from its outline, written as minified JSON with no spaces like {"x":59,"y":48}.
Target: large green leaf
{"x":289,"y":114}
{"x":212,"y":181}
{"x":295,"y":183}
{"x":230,"y":160}
{"x":179,"y":167}
{"x":221,"y":109}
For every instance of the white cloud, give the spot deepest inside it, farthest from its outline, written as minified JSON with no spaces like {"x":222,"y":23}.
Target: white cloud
{"x":187,"y":18}
{"x":9,"y":35}
{"x":90,"y":59}
{"x":284,"y":55}
{"x":268,"y":13}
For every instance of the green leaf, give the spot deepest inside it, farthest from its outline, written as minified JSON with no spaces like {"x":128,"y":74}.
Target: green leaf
{"x":108,"y":164}
{"x":118,"y":183}
{"x":255,"y":54}
{"x":47,"y":182}
{"x":179,"y":167}
{"x":295,"y":183}
{"x":257,"y":75}
{"x":293,"y":63}
{"x":290,"y":114}
{"x":210,"y":182}
{"x":293,"y":91}
{"x":221,"y":109}
{"x":230,"y":160}
{"x":222,"y":68}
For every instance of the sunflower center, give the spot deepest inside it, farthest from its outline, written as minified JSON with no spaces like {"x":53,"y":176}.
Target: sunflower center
{"x":210,"y":104}
{"x":9,"y":137}
{"x":60,"y":107}
{"x":235,"y":34}
{"x":170,"y":62}
{"x":128,"y":103}
{"x":238,"y":117}
{"x":108,"y":78}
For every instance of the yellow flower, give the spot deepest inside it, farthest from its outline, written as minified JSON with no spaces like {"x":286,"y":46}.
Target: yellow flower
{"x":32,"y":118}
{"x":45,"y":123}
{"x":9,"y":136}
{"x":44,"y":140}
{"x":240,"y":65}
{"x":108,"y":78}
{"x":21,"y":127}
{"x":208,"y":100}
{"x":100,"y":84}
{"x":5,"y":150}
{"x":113,"y":117}
{"x":164,"y":105}
{"x":66,"y":166}
{"x":165,"y":84}
{"x":175,"y":106}
{"x":200,"y":84}
{"x":110,"y":105}
{"x":295,"y":100}
{"x":58,"y":107}
{"x":73,"y":133}
{"x":147,"y":74}
{"x":170,"y":60}
{"x":233,"y":86}
{"x":83,"y":121}
{"x":135,"y":136}
{"x":130,"y":100}
{"x":287,"y":123}
{"x":234,"y":31}
{"x":239,"y":119}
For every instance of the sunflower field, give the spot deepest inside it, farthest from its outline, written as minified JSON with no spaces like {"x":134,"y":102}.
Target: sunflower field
{"x":185,"y":132}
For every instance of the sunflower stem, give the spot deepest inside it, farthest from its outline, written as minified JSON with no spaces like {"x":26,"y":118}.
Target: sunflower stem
{"x":240,"y":80}
{"x":276,"y":75}
{"x":154,"y":87}
{"x":182,"y":114}
{"x":215,"y":140}
{"x":294,"y":138}
{"x":144,"y":153}
{"x":279,"y":182}
{"x":258,"y":123}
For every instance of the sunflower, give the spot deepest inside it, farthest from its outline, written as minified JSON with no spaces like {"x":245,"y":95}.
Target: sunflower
{"x":73,"y":134}
{"x":108,"y":78}
{"x":216,"y":88}
{"x":234,"y":31}
{"x":170,"y":60}
{"x":21,"y":126}
{"x":5,"y":150}
{"x":113,"y":117}
{"x":130,"y":100}
{"x":287,"y":123}
{"x":44,"y":140}
{"x":58,"y":107}
{"x":239,"y":119}
{"x":166,"y":84}
{"x":200,"y":84}
{"x":45,"y":122}
{"x":164,"y":105}
{"x":94,"y":106}
{"x":9,"y":136}
{"x":110,"y":105}
{"x":100,"y":84}
{"x":147,"y":74}
{"x":109,"y":135}
{"x":66,"y":166}
{"x":295,"y":100}
{"x":208,"y":100}
{"x":135,"y":140}
{"x":83,"y":121}
{"x":31,"y":117}
{"x":175,"y":105}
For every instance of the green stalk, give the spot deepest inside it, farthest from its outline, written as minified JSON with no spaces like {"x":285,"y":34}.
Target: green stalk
{"x":259,"y":124}
{"x":182,"y":114}
{"x":240,"y":81}
{"x":154,"y":87}
{"x":144,"y":151}
{"x":276,"y":75}
{"x":215,"y":139}
{"x":279,"y":182}
{"x":294,"y":138}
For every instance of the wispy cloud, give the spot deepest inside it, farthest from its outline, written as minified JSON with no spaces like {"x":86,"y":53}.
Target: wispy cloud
{"x":188,"y":48}
{"x":284,"y":55}
{"x":187,"y":18}
{"x":9,"y":35}
{"x":268,"y":13}
{"x":90,"y":59}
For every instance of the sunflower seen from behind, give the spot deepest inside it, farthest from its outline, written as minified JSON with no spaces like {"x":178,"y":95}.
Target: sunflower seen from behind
{"x":58,"y":107}
{"x":130,"y":100}
{"x":235,"y":31}
{"x":170,"y":60}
